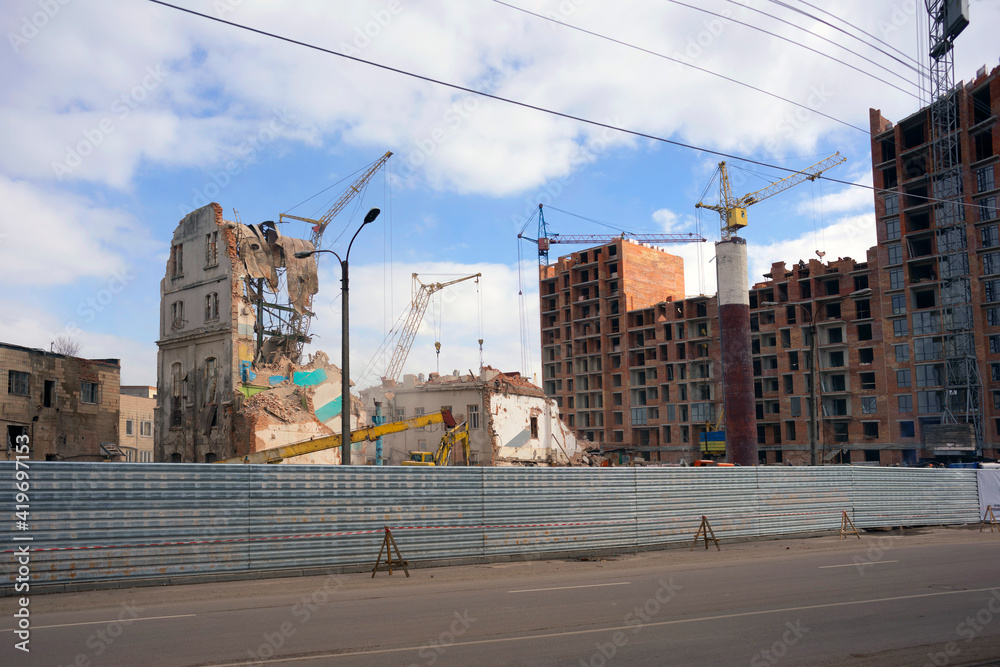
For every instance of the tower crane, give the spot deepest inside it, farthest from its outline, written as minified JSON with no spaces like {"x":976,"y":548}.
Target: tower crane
{"x":299,"y":326}
{"x":733,"y":210}
{"x":545,"y":239}
{"x":421,"y":297}
{"x":734,"y":308}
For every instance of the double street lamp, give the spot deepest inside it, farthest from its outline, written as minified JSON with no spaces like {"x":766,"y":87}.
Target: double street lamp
{"x":345,"y":370}
{"x":814,"y":362}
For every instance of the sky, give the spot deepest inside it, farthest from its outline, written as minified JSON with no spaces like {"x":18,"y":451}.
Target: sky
{"x":122,"y":116}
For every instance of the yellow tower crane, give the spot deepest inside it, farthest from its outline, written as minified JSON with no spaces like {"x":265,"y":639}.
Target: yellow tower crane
{"x":733,"y":210}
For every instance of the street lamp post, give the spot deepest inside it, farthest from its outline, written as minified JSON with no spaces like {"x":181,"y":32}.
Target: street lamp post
{"x":814,"y":365}
{"x":345,"y":367}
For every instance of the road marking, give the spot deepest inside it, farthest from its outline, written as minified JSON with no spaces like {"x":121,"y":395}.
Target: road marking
{"x":123,"y":621}
{"x":570,"y":633}
{"x":564,"y":588}
{"x":860,"y":562}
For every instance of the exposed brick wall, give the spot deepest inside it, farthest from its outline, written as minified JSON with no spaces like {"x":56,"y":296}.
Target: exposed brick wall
{"x":68,"y":428}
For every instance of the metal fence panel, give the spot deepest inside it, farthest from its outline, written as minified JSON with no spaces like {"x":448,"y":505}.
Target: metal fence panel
{"x":914,"y":496}
{"x":102,"y":521}
{"x":135,"y":520}
{"x":797,"y":499}
{"x":310,"y":516}
{"x":671,"y":502}
{"x":558,"y":509}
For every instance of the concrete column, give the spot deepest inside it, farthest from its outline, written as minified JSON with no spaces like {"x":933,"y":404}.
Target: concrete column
{"x":737,"y":364}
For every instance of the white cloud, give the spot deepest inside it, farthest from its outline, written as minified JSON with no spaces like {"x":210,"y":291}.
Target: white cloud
{"x":452,"y":317}
{"x":30,"y":326}
{"x":221,"y":83}
{"x":851,"y":236}
{"x":49,"y":237}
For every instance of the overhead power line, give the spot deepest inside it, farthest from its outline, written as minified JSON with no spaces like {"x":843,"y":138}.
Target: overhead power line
{"x":830,"y":41}
{"x":864,"y":32}
{"x":792,"y":41}
{"x":682,"y":62}
{"x":525,"y":105}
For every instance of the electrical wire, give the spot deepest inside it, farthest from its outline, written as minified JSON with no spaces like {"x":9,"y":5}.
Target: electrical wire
{"x":830,"y":41}
{"x":841,"y":30}
{"x":681,"y":62}
{"x":533,"y":107}
{"x":786,"y":39}
{"x":863,"y":31}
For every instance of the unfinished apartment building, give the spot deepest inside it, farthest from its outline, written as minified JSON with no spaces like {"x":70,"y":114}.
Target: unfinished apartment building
{"x":939,"y":249}
{"x":67,"y":406}
{"x":853,"y":360}
{"x":819,"y":366}
{"x":230,"y":375}
{"x":598,"y":361}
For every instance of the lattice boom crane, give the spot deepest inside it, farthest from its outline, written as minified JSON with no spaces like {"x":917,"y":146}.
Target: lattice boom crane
{"x":734,"y":210}
{"x":421,"y":297}
{"x":545,"y":240}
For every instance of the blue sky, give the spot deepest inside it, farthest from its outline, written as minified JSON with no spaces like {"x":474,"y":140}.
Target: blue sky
{"x":120,"y":116}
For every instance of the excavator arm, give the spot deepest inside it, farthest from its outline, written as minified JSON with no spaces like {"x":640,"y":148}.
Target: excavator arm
{"x":277,"y":454}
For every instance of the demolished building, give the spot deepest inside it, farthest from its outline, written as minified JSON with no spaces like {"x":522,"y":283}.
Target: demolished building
{"x":67,"y":407}
{"x":234,"y":308}
{"x":511,"y":422}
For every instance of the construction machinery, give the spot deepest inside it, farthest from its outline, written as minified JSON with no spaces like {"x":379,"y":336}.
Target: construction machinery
{"x":298,"y":325}
{"x":545,"y":239}
{"x":733,"y":210}
{"x":734,"y":307}
{"x":422,"y":293}
{"x":278,"y":454}
{"x":441,"y":457}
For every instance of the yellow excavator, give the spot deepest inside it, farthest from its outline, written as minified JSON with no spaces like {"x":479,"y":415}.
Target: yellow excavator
{"x":278,"y":454}
{"x":453,"y":436}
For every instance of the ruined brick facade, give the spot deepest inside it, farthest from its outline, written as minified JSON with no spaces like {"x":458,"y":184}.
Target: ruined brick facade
{"x":67,"y":406}
{"x":229,"y":379}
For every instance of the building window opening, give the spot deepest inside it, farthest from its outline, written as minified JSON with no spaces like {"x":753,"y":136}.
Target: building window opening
{"x":175,"y":394}
{"x":89,"y":392}
{"x":212,"y":306}
{"x":212,"y":249}
{"x":18,"y":383}
{"x":177,"y":261}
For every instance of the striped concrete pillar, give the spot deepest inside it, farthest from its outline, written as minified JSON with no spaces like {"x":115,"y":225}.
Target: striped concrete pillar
{"x":737,"y":364}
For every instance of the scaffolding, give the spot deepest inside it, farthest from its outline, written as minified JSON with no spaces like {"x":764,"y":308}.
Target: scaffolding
{"x":963,"y":384}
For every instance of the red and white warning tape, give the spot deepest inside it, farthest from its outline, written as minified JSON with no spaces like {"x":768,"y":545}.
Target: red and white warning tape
{"x":302,"y":536}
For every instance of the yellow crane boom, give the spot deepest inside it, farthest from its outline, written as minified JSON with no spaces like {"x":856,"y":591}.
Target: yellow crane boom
{"x":734,"y":209}
{"x":278,"y":454}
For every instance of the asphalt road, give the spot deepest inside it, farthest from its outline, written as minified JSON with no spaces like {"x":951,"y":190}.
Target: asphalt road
{"x":931,"y":598}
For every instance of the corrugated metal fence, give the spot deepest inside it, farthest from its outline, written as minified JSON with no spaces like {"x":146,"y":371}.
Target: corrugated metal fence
{"x":102,"y":522}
